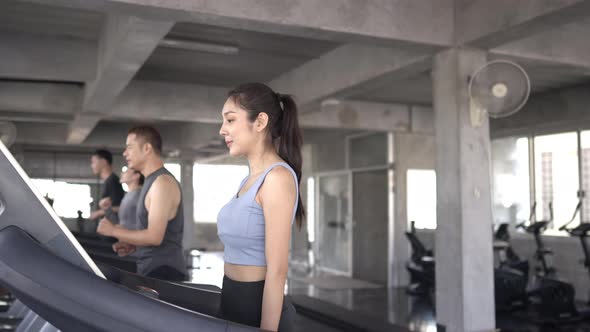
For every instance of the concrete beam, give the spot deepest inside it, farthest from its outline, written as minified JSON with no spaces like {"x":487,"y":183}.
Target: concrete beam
{"x":160,"y":101}
{"x":35,"y":117}
{"x":32,"y":57}
{"x":489,"y":24}
{"x":414,"y":22}
{"x":140,"y":101}
{"x":51,"y":98}
{"x":150,"y":100}
{"x":348,"y":70}
{"x":53,"y":134}
{"x":182,"y":137}
{"x":125,"y":44}
{"x":81,"y":127}
{"x":566,"y":45}
{"x":362,"y":115}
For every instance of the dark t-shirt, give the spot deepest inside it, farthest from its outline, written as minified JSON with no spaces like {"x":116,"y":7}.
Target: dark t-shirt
{"x":112,"y":188}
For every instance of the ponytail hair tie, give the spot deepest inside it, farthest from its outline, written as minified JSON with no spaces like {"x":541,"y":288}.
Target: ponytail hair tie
{"x":280,"y":101}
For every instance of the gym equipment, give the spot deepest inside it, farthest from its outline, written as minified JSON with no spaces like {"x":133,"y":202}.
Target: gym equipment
{"x":552,"y":299}
{"x":421,"y":266}
{"x":100,"y":249}
{"x":510,"y":275}
{"x":581,"y":231}
{"x":45,"y":267}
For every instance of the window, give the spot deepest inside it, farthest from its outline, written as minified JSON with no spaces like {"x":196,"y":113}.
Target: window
{"x":68,"y":198}
{"x":510,"y":180}
{"x":585,"y":155}
{"x":214,"y":186}
{"x":174,"y":168}
{"x":556,"y":178}
{"x":310,"y":209}
{"x":421,"y":198}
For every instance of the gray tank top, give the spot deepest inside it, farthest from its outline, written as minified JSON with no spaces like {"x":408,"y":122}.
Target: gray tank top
{"x":128,"y":210}
{"x":169,"y":252}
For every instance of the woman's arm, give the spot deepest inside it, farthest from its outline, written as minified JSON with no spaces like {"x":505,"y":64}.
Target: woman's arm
{"x":277,"y":197}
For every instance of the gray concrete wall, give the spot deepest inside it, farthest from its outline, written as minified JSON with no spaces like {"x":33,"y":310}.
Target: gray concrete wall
{"x":328,"y":150}
{"x":370,"y":235}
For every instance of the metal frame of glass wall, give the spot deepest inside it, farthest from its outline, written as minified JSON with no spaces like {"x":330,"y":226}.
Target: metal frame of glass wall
{"x":349,"y":172}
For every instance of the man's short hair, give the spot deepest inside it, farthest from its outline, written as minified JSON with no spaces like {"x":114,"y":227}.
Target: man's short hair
{"x":148,"y":134}
{"x":104,"y":154}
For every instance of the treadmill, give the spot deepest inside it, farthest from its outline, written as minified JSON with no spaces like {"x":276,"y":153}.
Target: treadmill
{"x":63,"y":289}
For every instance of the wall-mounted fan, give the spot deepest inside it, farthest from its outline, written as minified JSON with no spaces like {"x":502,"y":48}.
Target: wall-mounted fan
{"x":7,"y":133}
{"x":498,"y":89}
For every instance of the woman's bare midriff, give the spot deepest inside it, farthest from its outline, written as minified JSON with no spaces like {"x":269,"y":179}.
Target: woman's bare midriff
{"x":244,"y":273}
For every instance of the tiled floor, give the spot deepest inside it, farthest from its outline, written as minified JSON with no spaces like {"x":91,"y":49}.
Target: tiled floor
{"x":395,"y":306}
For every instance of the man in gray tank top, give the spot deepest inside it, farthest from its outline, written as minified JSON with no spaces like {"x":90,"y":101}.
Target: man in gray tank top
{"x":158,"y":241}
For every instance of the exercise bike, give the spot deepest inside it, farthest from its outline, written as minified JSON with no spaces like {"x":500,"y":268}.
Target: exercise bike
{"x":510,"y":275}
{"x":581,"y":231}
{"x":421,"y":266}
{"x":551,"y":299}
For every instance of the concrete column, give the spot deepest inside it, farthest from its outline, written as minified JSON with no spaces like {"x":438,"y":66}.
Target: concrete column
{"x":186,"y":174}
{"x":464,"y":253}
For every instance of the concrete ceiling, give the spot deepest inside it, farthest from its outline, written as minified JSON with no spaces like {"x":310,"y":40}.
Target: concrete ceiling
{"x":51,"y":21}
{"x":260,"y":57}
{"x":544,"y":76}
{"x":72,"y":69}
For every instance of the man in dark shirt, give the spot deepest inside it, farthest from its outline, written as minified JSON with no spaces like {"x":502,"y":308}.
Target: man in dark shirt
{"x":112,"y":192}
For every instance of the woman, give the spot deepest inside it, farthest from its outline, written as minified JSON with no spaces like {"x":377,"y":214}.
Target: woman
{"x":255,"y":226}
{"x":126,"y":214}
{"x":127,"y":211}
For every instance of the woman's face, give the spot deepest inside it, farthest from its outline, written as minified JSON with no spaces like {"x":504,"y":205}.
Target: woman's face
{"x":239,"y":133}
{"x":129,"y":176}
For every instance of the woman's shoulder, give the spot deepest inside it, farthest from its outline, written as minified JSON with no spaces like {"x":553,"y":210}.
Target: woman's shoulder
{"x":280,"y":176}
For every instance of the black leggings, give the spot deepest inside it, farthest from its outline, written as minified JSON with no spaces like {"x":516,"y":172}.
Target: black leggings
{"x":241,"y":302}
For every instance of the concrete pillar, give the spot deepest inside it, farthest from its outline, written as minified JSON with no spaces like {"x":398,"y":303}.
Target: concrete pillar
{"x":186,"y":174}
{"x":464,"y":253}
